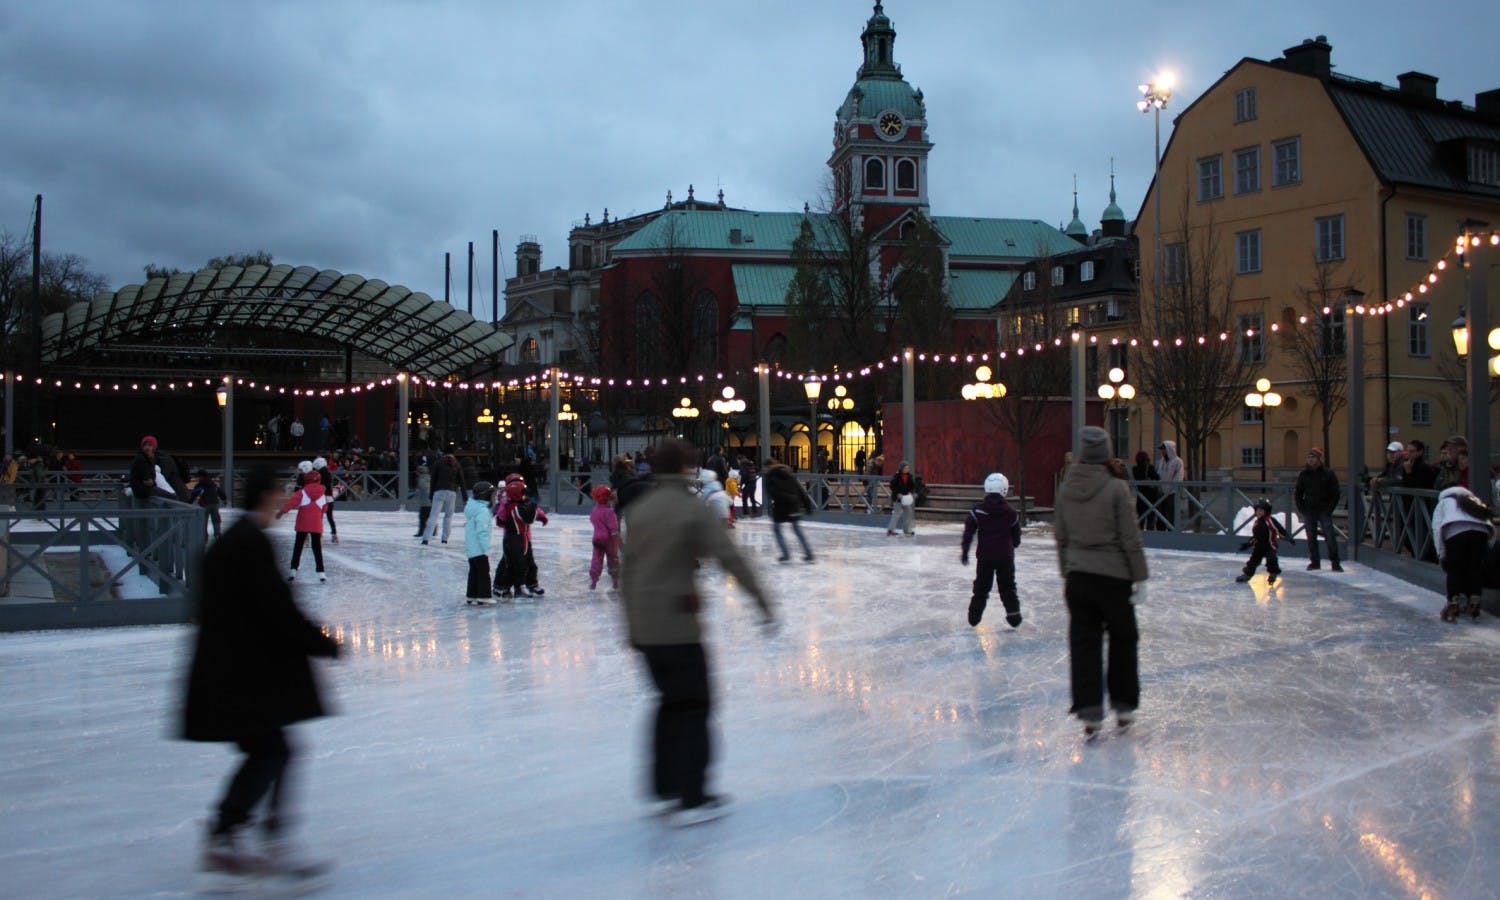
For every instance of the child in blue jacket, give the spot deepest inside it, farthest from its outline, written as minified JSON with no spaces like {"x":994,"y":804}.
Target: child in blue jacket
{"x":477,"y":543}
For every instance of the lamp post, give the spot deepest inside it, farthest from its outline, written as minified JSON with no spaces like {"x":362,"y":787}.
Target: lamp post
{"x":485,"y":417}
{"x":1117,"y":388}
{"x":839,"y":403}
{"x":684,"y":410}
{"x":726,"y":406}
{"x":564,"y":415}
{"x":1265,"y":400}
{"x":225,"y":397}
{"x":812,"y":387}
{"x":982,"y":388}
{"x":1154,"y":97}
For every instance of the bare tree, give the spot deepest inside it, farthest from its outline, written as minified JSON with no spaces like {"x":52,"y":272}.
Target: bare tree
{"x":924,"y":316}
{"x":243,"y":260}
{"x":1195,"y":371}
{"x":64,"y":279}
{"x":1318,"y":350}
{"x":679,"y":326}
{"x":808,"y":301}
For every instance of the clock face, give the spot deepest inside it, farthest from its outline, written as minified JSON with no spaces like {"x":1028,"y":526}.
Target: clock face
{"x":890,"y":124}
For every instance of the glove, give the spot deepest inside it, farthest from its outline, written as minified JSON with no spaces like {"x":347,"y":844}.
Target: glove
{"x":1138,"y":593}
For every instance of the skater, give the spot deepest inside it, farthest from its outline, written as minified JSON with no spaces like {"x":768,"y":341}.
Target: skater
{"x":516,"y":514}
{"x":249,"y":679}
{"x":903,"y":501}
{"x":732,"y":488}
{"x":308,"y":501}
{"x":1103,"y":560}
{"x":999,"y":532}
{"x":789,"y":502}
{"x":606,"y":539}
{"x":749,"y":503}
{"x":332,"y":490}
{"x":670,"y":530}
{"x":424,"y":499}
{"x":1169,"y":473}
{"x":447,"y":481}
{"x":1461,"y":532}
{"x":207,"y":494}
{"x":718,"y":500}
{"x":477,"y":544}
{"x":1317,"y":495}
{"x":1264,"y":537}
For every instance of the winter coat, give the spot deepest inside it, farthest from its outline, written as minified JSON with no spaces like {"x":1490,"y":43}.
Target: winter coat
{"x":446,"y":475}
{"x":632,"y":488}
{"x":1169,"y":468}
{"x":308,"y":502}
{"x":788,"y":500}
{"x":902,"y":483}
{"x":606,"y":523}
{"x":424,"y":487}
{"x":1094,"y":517}
{"x":1458,"y":511}
{"x":249,"y":672}
{"x":1423,"y":475}
{"x":477,"y":527}
{"x":716,"y":498}
{"x":669,"y":530}
{"x":207,"y":494}
{"x":142,"y":476}
{"x":1316,"y":491}
{"x":997,"y":526}
{"x":1265,"y":535}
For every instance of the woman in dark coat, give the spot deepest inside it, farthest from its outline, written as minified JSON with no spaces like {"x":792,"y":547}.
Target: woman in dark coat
{"x":250,"y":675}
{"x":1143,"y":473}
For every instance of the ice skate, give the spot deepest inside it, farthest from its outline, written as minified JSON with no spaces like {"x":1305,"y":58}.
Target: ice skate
{"x":481,"y":601}
{"x":1474,"y":608}
{"x":711,"y":808}
{"x":502,"y":594}
{"x":335,"y":539}
{"x":1271,"y":579}
{"x":286,"y":868}
{"x":976,"y":612}
{"x":535,"y":589}
{"x":292,"y":576}
{"x":1091,"y":728}
{"x":227,"y":867}
{"x":1125,"y":717}
{"x":1243,"y":577}
{"x":1450,"y":612}
{"x":323,"y":576}
{"x":1013,"y":619}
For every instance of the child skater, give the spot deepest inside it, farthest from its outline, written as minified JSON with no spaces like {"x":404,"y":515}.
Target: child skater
{"x":308,"y":501}
{"x":1263,"y":538}
{"x":732,"y":488}
{"x":516,"y":515}
{"x":999,"y":531}
{"x":207,"y":494}
{"x":477,"y":543}
{"x":606,"y":539}
{"x":529,"y":575}
{"x":716,"y":497}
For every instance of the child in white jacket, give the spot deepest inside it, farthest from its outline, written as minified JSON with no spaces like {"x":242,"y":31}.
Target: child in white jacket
{"x":716,"y":497}
{"x":1461,"y":532}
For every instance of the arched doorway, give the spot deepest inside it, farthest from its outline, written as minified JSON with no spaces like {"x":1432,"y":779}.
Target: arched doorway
{"x":1291,"y":453}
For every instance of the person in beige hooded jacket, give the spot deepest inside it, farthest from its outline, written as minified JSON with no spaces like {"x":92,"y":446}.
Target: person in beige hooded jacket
{"x":1102,"y":558}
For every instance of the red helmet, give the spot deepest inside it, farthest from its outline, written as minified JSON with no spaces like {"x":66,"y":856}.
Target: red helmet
{"x":311,"y":478}
{"x":601,"y":493}
{"x":515,"y":490}
{"x":514,"y":476}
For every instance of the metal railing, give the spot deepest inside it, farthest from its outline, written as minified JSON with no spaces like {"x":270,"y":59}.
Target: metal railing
{"x":162,"y":541}
{"x":846,"y":493}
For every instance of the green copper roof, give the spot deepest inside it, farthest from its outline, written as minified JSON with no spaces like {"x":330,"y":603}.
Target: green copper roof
{"x":698,"y":230}
{"x":978,"y":289}
{"x":762,"y":284}
{"x":1112,"y":212}
{"x":876,"y":95}
{"x":1021,"y":239}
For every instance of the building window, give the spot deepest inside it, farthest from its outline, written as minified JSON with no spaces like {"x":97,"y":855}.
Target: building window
{"x":1119,"y":358}
{"x":1028,"y":281}
{"x":1250,"y":457}
{"x":1210,"y":178}
{"x":1244,"y":105}
{"x":1484,"y":165}
{"x":874,"y":175}
{"x":1330,"y":238}
{"x":1417,"y":320}
{"x":1057,"y":275}
{"x":1286,"y":161}
{"x":1331,"y":334}
{"x":1416,"y":236}
{"x":1247,"y":170}
{"x":1247,"y":251}
{"x":1252,"y":342}
{"x":1421,"y":412}
{"x":1174,"y":263}
{"x":705,"y":336}
{"x":530,"y":351}
{"x":906,"y":175}
{"x":1086,"y":270}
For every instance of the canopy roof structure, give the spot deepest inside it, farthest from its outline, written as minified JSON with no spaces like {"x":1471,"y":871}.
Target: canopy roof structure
{"x":407,"y":330}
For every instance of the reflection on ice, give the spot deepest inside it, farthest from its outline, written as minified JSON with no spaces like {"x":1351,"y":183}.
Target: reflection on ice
{"x":1323,"y":737}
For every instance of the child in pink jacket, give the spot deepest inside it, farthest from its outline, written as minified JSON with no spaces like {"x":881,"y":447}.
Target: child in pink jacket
{"x":606,"y":538}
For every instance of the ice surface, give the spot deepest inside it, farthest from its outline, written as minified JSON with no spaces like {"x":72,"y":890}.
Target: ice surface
{"x":1329,"y":737}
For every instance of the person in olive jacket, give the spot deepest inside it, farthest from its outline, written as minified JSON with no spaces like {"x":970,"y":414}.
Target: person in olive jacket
{"x":250,"y":675}
{"x":1316,"y":494}
{"x":1103,"y":560}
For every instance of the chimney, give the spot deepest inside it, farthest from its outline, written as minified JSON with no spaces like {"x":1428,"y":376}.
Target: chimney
{"x":1418,"y":85}
{"x":1488,"y":103}
{"x":1311,"y":57}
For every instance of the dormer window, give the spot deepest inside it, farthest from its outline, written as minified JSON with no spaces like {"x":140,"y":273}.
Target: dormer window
{"x":1484,"y":165}
{"x":1057,"y":275}
{"x":1028,"y":281}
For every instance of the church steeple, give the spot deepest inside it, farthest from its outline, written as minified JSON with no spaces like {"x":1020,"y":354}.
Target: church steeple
{"x":879,"y":39}
{"x":1112,"y":223}
{"x":1076,"y":229}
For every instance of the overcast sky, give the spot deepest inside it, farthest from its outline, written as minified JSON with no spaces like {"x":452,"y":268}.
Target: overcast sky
{"x":372,"y":137}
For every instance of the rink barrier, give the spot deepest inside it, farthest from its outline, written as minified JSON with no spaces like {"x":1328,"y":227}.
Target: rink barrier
{"x":163,"y":542}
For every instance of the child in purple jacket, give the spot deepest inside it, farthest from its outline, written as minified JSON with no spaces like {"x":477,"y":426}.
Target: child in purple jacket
{"x":606,"y":538}
{"x":999,"y":530}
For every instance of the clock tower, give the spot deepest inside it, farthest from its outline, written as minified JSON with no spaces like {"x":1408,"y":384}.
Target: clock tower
{"x":880,"y":143}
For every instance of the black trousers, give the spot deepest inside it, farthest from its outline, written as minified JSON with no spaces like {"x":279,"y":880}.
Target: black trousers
{"x":1099,"y":604}
{"x":1002,"y":574}
{"x":1267,"y":553}
{"x":263,"y":772}
{"x":479,"y":576}
{"x":1463,"y":560}
{"x":422,"y":514}
{"x":513,"y":569}
{"x":332,"y":525}
{"x":680,"y":744}
{"x":317,"y":548}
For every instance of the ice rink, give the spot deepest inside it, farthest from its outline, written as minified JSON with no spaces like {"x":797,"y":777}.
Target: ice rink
{"x":1329,"y":737}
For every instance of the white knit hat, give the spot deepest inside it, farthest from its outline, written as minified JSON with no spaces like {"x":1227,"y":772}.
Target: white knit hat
{"x":304,"y":467}
{"x":320,"y":463}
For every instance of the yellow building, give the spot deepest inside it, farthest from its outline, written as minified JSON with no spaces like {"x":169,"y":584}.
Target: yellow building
{"x":1296,"y":186}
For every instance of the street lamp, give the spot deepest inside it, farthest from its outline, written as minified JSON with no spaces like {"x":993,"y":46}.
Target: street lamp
{"x":840,"y":402}
{"x":684,"y":410}
{"x":812,"y":387}
{"x":1117,"y":388}
{"x":1154,"y":97}
{"x":983,"y":388}
{"x":1265,"y":400}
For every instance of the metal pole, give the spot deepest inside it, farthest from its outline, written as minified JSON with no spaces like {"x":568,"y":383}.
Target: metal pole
{"x":229,"y":438}
{"x":1080,"y":371}
{"x":36,"y":324}
{"x":552,"y":449}
{"x":763,"y":378}
{"x":471,"y":278}
{"x":1264,"y":414}
{"x":495,"y":275}
{"x":909,"y":407}
{"x":403,"y":439}
{"x":10,"y":414}
{"x":1479,"y":375}
{"x":812,"y":431}
{"x":1356,"y":356}
{"x":1156,"y":277}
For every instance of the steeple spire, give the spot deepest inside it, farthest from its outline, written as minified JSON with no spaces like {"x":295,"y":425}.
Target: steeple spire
{"x":1112,"y":223}
{"x":879,"y":40}
{"x":1076,"y":229}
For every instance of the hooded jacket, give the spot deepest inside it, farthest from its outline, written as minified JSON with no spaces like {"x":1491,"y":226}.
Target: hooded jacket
{"x":1316,"y":491}
{"x":998,"y":528}
{"x":308,"y":502}
{"x":1453,"y":515}
{"x":1096,"y":525}
{"x":477,"y":527}
{"x":669,"y":529}
{"x":715,"y":496}
{"x":1169,"y":468}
